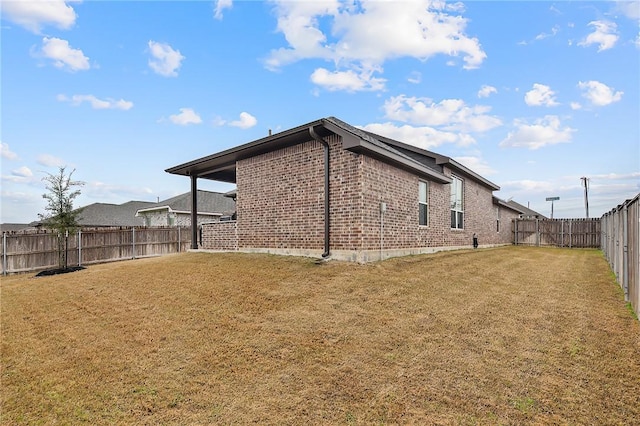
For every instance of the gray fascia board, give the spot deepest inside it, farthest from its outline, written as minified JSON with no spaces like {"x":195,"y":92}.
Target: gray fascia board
{"x":224,"y":159}
{"x":376,"y":151}
{"x":504,"y":204}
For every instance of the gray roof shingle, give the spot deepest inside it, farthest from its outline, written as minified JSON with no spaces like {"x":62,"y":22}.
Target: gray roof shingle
{"x":208,"y":202}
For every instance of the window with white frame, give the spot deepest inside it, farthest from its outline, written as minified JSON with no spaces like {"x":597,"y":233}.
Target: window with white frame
{"x":423,"y":202}
{"x":457,"y":203}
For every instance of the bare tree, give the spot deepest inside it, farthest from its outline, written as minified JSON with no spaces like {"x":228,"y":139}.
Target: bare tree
{"x":60,"y":215}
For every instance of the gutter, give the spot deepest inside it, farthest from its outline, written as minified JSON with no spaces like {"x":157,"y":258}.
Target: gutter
{"x":317,"y":138}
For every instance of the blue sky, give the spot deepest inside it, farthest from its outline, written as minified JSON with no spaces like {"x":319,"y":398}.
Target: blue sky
{"x":531,"y":95}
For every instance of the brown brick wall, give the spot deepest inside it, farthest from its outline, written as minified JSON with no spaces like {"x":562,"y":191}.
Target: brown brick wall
{"x":280,"y":198}
{"x":280,"y":204}
{"x":220,"y":236}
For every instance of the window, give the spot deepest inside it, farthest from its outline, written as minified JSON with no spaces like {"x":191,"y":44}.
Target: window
{"x":497,"y":218}
{"x":423,"y":202}
{"x":457,"y":204}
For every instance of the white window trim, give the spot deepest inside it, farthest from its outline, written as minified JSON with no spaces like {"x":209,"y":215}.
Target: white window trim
{"x":425,"y":203}
{"x":454,"y":177}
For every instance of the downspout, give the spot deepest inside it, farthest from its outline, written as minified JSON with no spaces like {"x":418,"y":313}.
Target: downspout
{"x":317,"y":138}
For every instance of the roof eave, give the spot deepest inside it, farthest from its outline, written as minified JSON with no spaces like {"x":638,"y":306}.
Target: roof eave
{"x":365,"y":147}
{"x":216,"y":165}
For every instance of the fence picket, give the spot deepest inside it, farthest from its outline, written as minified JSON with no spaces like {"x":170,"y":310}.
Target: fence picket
{"x":583,"y":233}
{"x":25,"y":251}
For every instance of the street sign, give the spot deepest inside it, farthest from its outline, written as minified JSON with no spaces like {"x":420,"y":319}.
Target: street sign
{"x":553,"y":198}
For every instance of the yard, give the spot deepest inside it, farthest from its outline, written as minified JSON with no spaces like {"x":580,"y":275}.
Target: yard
{"x":512,"y":335}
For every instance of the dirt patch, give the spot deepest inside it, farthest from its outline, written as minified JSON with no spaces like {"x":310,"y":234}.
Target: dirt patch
{"x":516,"y":335}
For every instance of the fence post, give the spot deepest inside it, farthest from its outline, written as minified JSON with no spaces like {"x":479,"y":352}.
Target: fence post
{"x":79,"y":247}
{"x":133,"y":242}
{"x":537,"y":232}
{"x":625,"y":253}
{"x":570,"y":222}
{"x":4,"y":253}
{"x":179,"y":241}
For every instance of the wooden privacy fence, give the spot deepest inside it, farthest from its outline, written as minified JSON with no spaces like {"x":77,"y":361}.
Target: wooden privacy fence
{"x":583,"y":233}
{"x":35,"y":250}
{"x":621,"y":247}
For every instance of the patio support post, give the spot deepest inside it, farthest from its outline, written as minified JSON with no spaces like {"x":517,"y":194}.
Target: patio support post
{"x":194,"y":212}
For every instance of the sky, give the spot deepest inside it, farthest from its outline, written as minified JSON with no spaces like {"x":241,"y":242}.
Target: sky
{"x":533,"y":96}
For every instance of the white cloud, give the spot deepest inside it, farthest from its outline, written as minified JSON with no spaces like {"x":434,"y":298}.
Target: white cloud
{"x":349,"y":80}
{"x":33,"y":15}
{"x":486,"y":91}
{"x":49,"y":160}
{"x":529,"y":186}
{"x":415,"y":77}
{"x":540,"y":95}
{"x":544,"y":131}
{"x":553,"y":32}
{"x":5,"y":152}
{"x":575,"y":105}
{"x":97,"y":103}
{"x":23,"y":172}
{"x":421,"y":136}
{"x":476,"y":164}
{"x":450,"y":114}
{"x":164,"y":60}
{"x":63,"y":55}
{"x":631,"y":9}
{"x":221,"y":5}
{"x":185,"y":117}
{"x":363,"y":35}
{"x":599,"y":94}
{"x":246,"y":121}
{"x":604,"y":35}
{"x":104,"y":191}
{"x":616,"y":176}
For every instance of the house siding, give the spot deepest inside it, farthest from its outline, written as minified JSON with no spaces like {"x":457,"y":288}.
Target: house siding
{"x":161,"y":218}
{"x":280,"y":207}
{"x":280,"y":198}
{"x":220,"y":236}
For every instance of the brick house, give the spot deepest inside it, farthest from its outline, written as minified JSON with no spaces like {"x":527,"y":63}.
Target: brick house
{"x":327,"y":188}
{"x":176,"y":211}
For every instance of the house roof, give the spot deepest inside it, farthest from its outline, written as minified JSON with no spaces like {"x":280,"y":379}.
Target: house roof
{"x":209,"y":202}
{"x":525,"y":210}
{"x":104,"y":214}
{"x":14,"y":227}
{"x":221,"y":166}
{"x":507,"y":205}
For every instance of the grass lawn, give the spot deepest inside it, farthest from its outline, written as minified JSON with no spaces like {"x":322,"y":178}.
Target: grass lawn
{"x":513,"y":335}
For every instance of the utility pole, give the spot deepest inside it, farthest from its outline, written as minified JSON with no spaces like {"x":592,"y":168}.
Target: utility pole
{"x":585,"y":183}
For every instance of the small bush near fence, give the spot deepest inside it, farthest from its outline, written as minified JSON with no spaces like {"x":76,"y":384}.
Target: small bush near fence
{"x":35,"y":250}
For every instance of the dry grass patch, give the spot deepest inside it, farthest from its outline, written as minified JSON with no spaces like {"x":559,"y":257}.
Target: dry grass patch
{"x":513,"y":335}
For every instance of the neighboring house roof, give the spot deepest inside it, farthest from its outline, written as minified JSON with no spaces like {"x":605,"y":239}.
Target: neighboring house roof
{"x":209,"y":203}
{"x":13,"y":227}
{"x":525,"y":211}
{"x":222,"y":166}
{"x":507,"y":205}
{"x":104,"y":214}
